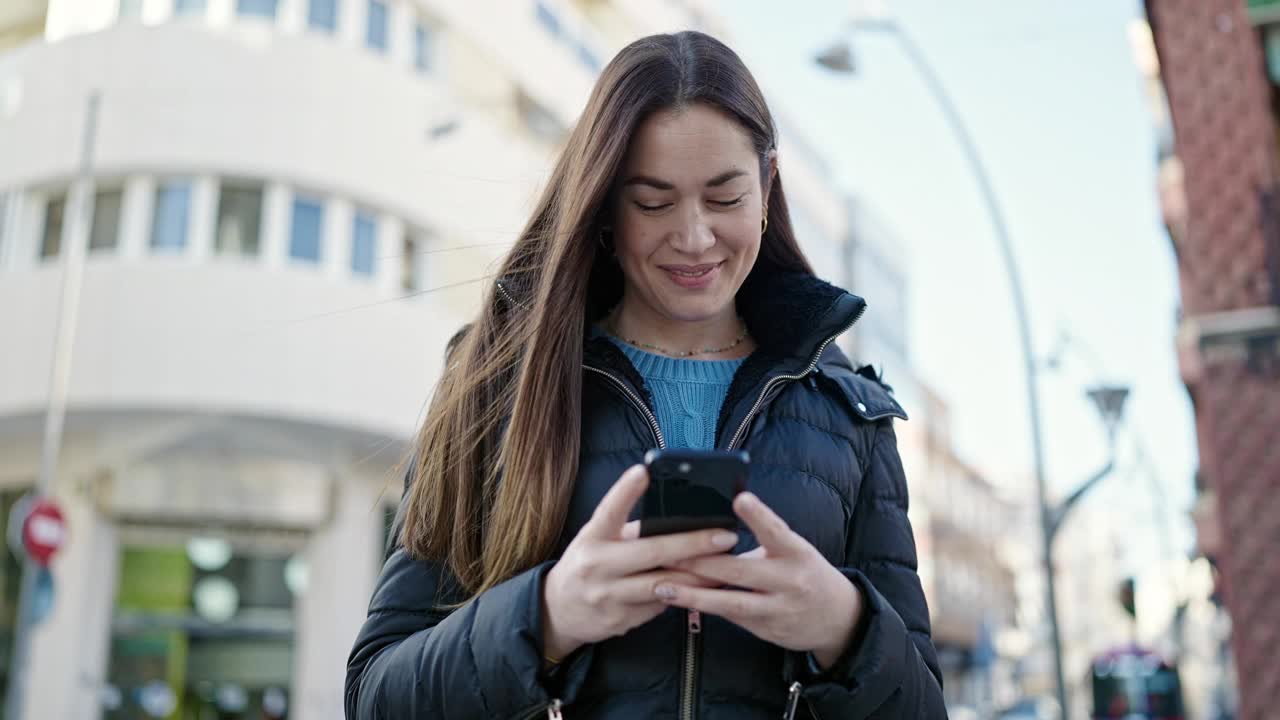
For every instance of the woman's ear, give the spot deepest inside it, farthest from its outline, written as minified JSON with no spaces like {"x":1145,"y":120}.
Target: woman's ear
{"x":772,"y":169}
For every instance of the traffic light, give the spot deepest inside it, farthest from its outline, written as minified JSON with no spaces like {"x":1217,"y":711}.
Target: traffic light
{"x":1126,"y":597}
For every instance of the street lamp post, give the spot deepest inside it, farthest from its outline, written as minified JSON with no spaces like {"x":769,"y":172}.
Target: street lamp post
{"x":1109,"y":401}
{"x":74,"y":243}
{"x":839,"y":58}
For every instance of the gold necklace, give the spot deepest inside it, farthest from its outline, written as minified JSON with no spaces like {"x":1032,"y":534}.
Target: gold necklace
{"x":613,"y":330}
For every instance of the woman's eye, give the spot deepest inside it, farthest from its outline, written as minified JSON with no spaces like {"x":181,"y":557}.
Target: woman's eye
{"x":728,"y":203}
{"x":651,"y":208}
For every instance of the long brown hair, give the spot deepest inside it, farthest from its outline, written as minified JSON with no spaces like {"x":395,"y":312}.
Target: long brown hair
{"x":497,"y":455}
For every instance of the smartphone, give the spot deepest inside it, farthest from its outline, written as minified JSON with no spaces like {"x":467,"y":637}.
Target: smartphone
{"x":692,"y":490}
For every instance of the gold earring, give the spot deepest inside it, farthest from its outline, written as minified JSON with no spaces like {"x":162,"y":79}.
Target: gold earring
{"x":764,"y":225}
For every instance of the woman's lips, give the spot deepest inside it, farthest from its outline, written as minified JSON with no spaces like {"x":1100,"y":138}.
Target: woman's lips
{"x":692,"y":276}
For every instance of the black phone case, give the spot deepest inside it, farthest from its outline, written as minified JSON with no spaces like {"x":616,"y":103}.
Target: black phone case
{"x":692,"y":490}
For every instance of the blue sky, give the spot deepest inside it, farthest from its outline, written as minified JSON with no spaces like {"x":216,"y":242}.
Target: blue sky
{"x":1055,"y":102}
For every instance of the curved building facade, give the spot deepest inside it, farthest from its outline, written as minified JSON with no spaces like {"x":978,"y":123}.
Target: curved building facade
{"x":290,"y":206}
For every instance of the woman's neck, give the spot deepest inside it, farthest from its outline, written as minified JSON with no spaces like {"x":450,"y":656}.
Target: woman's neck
{"x":652,"y":332}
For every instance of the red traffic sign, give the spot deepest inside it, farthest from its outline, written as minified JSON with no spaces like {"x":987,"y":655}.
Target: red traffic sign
{"x":44,"y":531}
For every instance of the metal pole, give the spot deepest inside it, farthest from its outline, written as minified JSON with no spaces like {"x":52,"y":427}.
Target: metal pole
{"x":1058,"y":513}
{"x":74,"y":241}
{"x":987,"y":191}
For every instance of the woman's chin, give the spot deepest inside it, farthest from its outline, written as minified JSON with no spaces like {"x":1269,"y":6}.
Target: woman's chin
{"x":686,"y":311}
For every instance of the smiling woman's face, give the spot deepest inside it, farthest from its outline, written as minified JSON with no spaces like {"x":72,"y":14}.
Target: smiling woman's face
{"x":688,"y":215}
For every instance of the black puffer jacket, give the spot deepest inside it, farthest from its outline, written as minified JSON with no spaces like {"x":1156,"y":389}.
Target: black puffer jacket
{"x":823,"y":456}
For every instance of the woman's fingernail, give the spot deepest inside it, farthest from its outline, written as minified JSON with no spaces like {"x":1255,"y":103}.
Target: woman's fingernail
{"x":666,"y":592}
{"x":724,"y":539}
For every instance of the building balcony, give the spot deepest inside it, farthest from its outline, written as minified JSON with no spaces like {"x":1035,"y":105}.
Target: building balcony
{"x":1248,"y":334}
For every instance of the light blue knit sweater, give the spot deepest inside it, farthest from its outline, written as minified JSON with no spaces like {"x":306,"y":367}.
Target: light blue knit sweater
{"x":687,"y":394}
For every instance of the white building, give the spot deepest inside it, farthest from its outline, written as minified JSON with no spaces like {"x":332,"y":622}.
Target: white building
{"x":292,"y":204}
{"x":963,"y":527}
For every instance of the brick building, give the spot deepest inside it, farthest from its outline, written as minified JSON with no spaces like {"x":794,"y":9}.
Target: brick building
{"x":1220,"y":63}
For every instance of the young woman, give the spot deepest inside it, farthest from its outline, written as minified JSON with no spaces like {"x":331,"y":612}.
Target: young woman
{"x":656,"y":298}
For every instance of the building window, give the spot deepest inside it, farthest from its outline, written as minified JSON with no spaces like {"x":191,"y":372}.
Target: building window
{"x":376,"y":37}
{"x":539,"y":120}
{"x":104,"y":234}
{"x":304,"y":235}
{"x":169,"y":221}
{"x":130,"y":9}
{"x":547,"y":19}
{"x":421,"y":47}
{"x":364,"y":243}
{"x":322,"y":14}
{"x":189,"y":7}
{"x":55,"y":211}
{"x":588,"y":58}
{"x":257,"y":8}
{"x":239,"y":220}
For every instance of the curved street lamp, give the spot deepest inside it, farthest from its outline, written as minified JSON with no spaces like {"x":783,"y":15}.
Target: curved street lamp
{"x":839,"y":58}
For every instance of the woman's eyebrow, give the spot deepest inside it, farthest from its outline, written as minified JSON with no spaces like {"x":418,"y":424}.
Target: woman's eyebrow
{"x":725,"y":177}
{"x":655,"y":183}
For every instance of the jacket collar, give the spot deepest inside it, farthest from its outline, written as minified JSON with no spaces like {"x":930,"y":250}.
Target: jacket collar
{"x":791,"y":315}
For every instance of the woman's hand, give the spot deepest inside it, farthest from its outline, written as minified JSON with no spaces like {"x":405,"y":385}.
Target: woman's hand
{"x":604,"y":583}
{"x":791,"y":596}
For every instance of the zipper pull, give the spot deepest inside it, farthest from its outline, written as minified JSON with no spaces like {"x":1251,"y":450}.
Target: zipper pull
{"x":695,"y":622}
{"x":553,"y":710}
{"x":793,"y":701}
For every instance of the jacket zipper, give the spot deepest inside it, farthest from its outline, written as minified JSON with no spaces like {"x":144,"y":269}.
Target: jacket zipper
{"x":813,"y":363}
{"x":635,"y":401}
{"x":502,"y":289}
{"x":630,"y":395}
{"x":688,"y":690}
{"x":793,"y":700}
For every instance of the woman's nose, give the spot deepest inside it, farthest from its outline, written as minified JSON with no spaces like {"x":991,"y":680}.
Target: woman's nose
{"x":694,"y":236}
